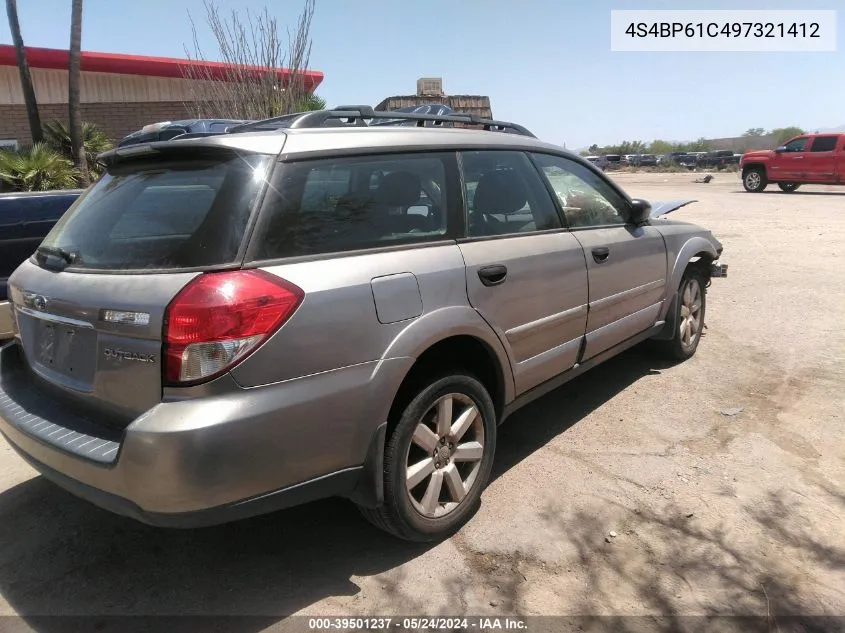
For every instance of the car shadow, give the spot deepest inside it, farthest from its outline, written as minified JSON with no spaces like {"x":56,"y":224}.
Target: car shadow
{"x":61,"y":556}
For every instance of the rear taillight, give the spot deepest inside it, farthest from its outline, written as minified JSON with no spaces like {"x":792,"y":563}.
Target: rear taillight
{"x":219,"y":318}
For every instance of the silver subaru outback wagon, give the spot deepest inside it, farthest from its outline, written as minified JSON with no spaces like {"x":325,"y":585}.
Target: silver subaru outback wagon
{"x":311,"y":306}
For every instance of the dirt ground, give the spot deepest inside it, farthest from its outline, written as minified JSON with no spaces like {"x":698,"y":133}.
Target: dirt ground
{"x":712,"y":513}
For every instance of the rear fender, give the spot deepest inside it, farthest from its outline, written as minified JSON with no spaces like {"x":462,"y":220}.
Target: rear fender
{"x":416,"y":338}
{"x":443,"y":323}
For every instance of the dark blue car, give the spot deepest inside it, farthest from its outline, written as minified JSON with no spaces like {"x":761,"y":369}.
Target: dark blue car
{"x":25,"y":219}
{"x":166,"y":130}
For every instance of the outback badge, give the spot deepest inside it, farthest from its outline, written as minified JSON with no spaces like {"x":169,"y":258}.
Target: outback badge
{"x":119,"y":354}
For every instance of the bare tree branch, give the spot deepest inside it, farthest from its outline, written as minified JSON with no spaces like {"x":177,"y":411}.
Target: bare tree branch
{"x":248,"y":84}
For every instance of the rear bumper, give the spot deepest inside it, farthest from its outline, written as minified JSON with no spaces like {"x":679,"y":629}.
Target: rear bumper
{"x":5,"y":320}
{"x":229,"y":454}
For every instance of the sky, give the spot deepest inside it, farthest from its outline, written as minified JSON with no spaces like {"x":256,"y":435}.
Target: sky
{"x":546,"y":64}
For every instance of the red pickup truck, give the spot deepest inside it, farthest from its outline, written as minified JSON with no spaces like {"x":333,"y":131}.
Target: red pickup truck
{"x":817,"y":159}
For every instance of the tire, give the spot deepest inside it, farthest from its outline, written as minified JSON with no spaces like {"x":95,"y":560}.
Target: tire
{"x":684,"y":342}
{"x":754,"y":180}
{"x":788,"y":187}
{"x":415,"y":514}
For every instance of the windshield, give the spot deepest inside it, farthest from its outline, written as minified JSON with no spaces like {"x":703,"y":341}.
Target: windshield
{"x":163,"y":213}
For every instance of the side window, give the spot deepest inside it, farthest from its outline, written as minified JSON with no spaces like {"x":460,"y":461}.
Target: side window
{"x":798,"y":145}
{"x":342,"y":204}
{"x":824,"y":144}
{"x":504,"y":195}
{"x":587,"y":198}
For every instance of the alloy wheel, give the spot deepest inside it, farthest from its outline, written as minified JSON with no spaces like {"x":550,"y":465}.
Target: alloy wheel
{"x":752,"y":180}
{"x":444,"y":456}
{"x":690,"y":321}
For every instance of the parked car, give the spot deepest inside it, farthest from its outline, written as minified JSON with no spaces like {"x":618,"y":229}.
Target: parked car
{"x":25,"y":219}
{"x":646,"y":160}
{"x":806,"y":159}
{"x":233,"y":324}
{"x":611,"y":161}
{"x":166,"y":130}
{"x":426,"y":108}
{"x":690,"y":161}
{"x":717,"y":158}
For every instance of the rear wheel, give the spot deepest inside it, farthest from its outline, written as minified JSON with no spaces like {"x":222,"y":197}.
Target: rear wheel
{"x":754,"y":179}
{"x":788,"y":187}
{"x":437,"y":460}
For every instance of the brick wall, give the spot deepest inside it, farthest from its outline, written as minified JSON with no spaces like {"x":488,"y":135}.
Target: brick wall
{"x":115,"y":119}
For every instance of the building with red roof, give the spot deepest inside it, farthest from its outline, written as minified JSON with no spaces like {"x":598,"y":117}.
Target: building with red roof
{"x":119,"y":93}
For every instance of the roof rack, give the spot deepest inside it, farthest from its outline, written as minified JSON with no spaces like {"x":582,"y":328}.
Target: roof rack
{"x":365,"y":116}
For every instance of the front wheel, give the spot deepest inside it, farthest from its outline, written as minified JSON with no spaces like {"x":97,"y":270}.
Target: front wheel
{"x":788,"y":187}
{"x":689,"y":318}
{"x":754,"y":180}
{"x":437,"y":460}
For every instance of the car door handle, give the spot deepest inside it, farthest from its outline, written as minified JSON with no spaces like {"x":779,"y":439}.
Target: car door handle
{"x":601,"y":254}
{"x":493,"y":275}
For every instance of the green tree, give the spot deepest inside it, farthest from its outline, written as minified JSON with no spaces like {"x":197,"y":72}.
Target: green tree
{"x":783,"y":134}
{"x":699,"y":145}
{"x":661,"y":147}
{"x":311,"y":102}
{"x":754,"y":131}
{"x":594,"y":149}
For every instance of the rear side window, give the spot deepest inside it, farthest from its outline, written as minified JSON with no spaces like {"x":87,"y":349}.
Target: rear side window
{"x":163,"y":214}
{"x":824,"y":143}
{"x":343,"y":204}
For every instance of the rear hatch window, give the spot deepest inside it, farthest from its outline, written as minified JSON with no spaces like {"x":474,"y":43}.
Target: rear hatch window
{"x":160,"y":213}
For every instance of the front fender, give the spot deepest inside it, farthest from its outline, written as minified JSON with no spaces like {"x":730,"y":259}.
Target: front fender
{"x":680,"y":259}
{"x":695,"y":246}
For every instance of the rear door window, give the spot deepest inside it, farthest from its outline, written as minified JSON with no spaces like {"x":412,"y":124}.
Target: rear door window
{"x":343,"y":204}
{"x":163,"y":214}
{"x":824,"y":143}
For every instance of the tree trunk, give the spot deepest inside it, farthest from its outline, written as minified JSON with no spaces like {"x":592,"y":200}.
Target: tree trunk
{"x":74,"y":115}
{"x":23,"y":68}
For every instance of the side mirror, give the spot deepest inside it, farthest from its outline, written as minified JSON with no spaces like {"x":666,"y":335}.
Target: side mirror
{"x":640,"y":211}
{"x":781,"y":149}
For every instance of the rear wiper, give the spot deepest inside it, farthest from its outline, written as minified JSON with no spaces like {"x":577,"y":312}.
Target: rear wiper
{"x":66,"y":255}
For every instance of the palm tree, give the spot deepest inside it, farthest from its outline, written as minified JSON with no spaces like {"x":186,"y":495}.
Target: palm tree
{"x":94,"y":143}
{"x":312,"y":102}
{"x":74,"y":114}
{"x":23,"y":68}
{"x":36,"y":168}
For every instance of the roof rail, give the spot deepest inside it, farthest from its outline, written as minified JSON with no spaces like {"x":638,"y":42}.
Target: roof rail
{"x":365,"y":116}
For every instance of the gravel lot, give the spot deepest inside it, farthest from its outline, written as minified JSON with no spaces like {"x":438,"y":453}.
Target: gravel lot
{"x":712,"y":513}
